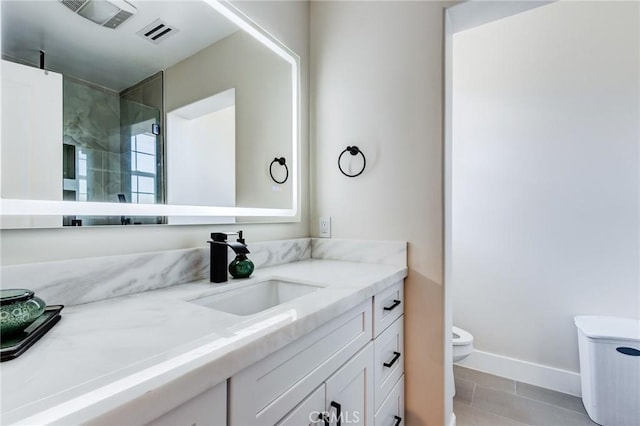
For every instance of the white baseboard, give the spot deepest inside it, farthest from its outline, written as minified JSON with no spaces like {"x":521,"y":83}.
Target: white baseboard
{"x":524,"y":371}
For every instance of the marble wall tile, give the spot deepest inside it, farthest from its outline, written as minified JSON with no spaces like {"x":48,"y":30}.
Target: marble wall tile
{"x":147,"y":92}
{"x":91,"y":116}
{"x":95,"y":158}
{"x":113,"y":162}
{"x":95,"y":185}
{"x":270,"y":253}
{"x":78,"y":281}
{"x":366,"y":251}
{"x":113,"y":186}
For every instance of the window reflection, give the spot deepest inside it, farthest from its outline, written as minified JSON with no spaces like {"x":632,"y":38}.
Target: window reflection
{"x":143,"y":168}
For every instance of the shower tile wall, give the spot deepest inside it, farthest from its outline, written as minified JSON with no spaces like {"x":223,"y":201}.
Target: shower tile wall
{"x":91,"y":123}
{"x":147,"y":92}
{"x":98,"y":123}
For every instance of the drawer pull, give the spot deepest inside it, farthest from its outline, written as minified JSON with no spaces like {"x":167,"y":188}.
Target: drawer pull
{"x":325,"y":418}
{"x":338,"y":408}
{"x":392,"y":306}
{"x":396,"y":355}
{"x":398,"y":420}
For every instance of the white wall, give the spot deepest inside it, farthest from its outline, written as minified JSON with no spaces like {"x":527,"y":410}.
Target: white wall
{"x":546,"y":180}
{"x":288,"y":22}
{"x":376,"y":69}
{"x":206,"y":146}
{"x":262,"y":81}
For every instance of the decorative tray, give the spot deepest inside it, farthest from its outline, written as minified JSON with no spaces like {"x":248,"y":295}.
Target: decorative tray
{"x":14,"y":346}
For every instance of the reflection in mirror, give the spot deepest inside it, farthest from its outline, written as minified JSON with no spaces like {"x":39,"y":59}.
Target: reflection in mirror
{"x":161,"y":102}
{"x":112,"y":147}
{"x":206,"y":130}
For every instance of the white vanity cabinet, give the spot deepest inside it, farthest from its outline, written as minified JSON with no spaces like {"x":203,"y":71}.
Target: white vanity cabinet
{"x":388,"y":306}
{"x":207,"y":409}
{"x":158,"y":408}
{"x":388,"y":314}
{"x":389,"y":360}
{"x":265,"y":392}
{"x":309,"y":412}
{"x":329,"y":374}
{"x":391,"y":412}
{"x":347,"y":395}
{"x":350,"y":391}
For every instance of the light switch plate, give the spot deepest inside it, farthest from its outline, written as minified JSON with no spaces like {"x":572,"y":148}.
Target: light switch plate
{"x":325,"y":226}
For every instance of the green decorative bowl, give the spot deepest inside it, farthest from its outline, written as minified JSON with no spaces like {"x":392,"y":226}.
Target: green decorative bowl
{"x":18,"y":309}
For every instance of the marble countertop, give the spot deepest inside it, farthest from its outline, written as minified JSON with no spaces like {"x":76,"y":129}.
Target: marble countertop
{"x":103,"y":355}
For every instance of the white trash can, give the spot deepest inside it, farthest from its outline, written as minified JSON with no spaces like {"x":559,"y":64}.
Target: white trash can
{"x":610,"y":369}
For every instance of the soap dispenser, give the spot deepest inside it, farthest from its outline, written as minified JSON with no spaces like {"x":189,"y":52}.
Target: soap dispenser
{"x":241,"y":266}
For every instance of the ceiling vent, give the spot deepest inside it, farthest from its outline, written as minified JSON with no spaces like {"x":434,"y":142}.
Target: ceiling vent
{"x":157,"y":31}
{"x":107,"y":13}
{"x":74,"y":5}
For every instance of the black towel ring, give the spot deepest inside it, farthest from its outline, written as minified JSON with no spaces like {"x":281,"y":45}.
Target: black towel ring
{"x":282,"y":162}
{"x":353,"y":150}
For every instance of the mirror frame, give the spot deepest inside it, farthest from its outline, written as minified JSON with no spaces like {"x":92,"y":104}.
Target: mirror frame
{"x":17,"y":207}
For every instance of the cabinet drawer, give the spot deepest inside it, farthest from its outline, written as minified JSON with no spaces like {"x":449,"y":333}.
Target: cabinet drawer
{"x":308,"y":412}
{"x":391,"y":412}
{"x":388,"y":305}
{"x":267,"y":390}
{"x":388,"y":359}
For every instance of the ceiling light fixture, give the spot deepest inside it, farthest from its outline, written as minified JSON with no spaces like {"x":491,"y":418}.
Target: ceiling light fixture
{"x":107,"y":13}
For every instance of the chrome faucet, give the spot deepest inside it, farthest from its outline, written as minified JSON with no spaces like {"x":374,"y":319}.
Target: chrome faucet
{"x":218,"y":260}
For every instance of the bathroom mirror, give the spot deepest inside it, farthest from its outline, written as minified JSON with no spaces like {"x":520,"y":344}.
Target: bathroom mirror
{"x":144,"y":112}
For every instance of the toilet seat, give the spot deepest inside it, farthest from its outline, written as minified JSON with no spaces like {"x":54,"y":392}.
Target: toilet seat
{"x":461,"y":348}
{"x":461,"y":337}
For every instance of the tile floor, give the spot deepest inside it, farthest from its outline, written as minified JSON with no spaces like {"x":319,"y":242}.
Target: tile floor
{"x":486,"y":400}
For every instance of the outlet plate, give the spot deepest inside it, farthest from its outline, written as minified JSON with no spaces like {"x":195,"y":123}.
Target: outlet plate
{"x":325,"y":226}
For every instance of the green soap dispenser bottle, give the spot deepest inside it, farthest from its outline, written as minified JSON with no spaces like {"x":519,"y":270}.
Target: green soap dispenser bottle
{"x":241,"y":266}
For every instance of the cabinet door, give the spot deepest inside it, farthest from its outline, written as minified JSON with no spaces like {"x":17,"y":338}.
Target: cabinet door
{"x":31,"y":137}
{"x":308,"y":412}
{"x":350,"y":391}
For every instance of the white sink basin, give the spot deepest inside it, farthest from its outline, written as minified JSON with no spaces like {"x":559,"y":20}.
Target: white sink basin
{"x":257,"y":297}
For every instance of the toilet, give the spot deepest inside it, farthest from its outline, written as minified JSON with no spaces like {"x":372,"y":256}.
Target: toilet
{"x":462,"y":347}
{"x":462,"y":344}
